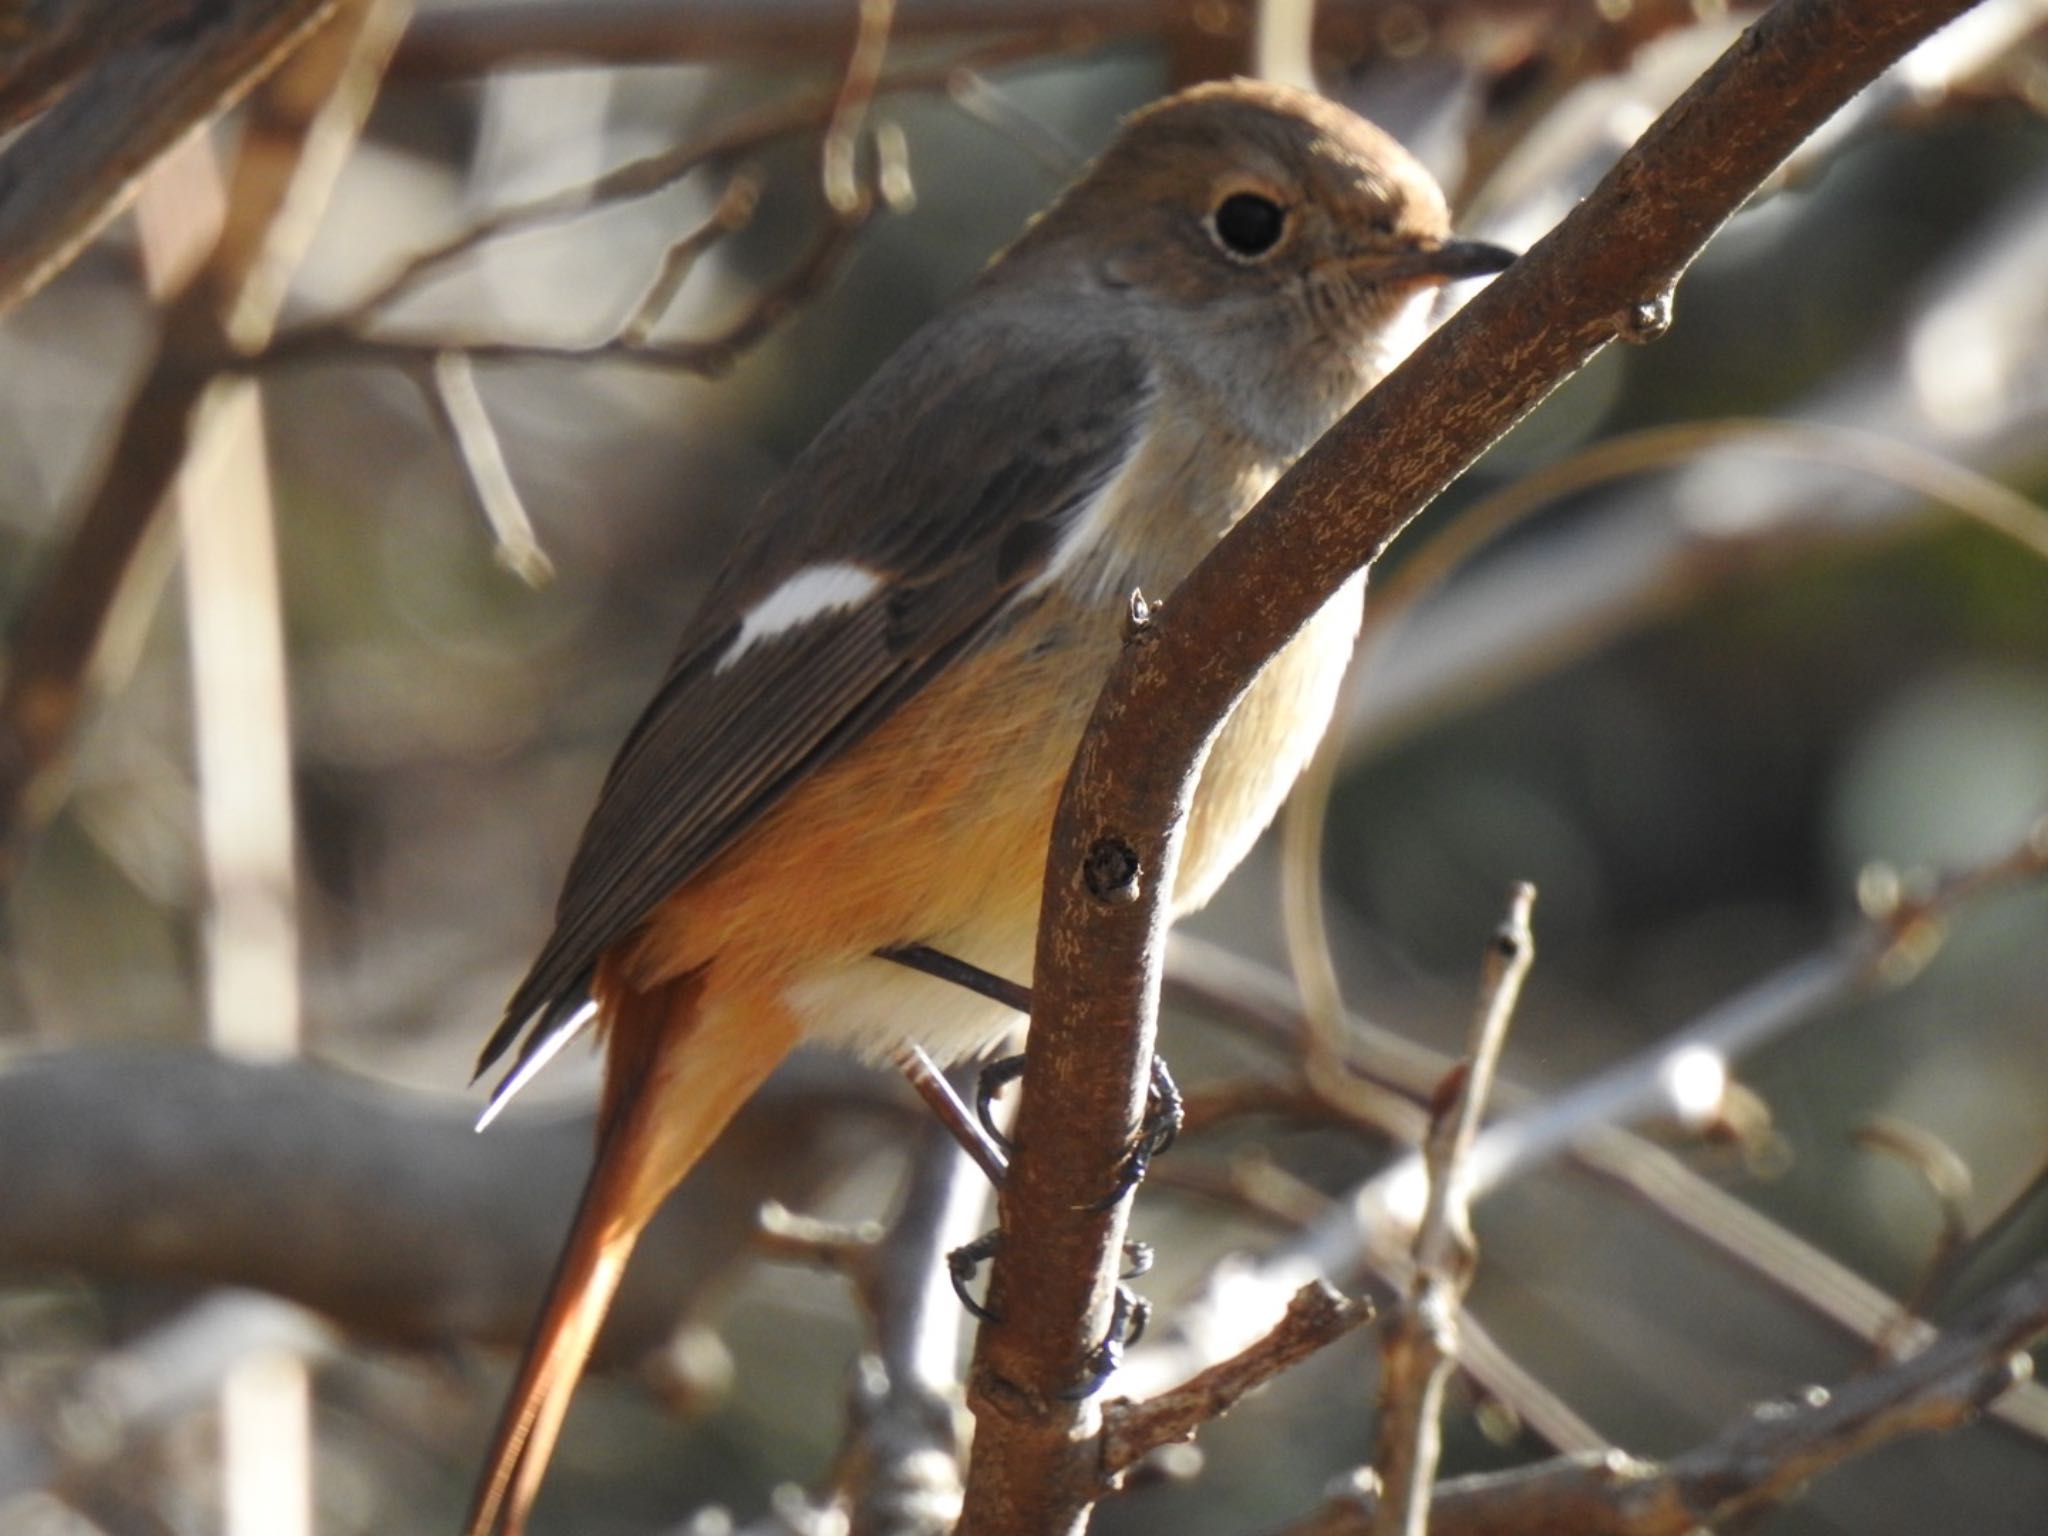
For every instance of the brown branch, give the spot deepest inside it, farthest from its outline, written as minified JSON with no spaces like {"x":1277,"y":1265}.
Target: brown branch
{"x":68,"y":174}
{"x":298,"y":131}
{"x":1096,"y":977}
{"x":475,"y":39}
{"x":1420,"y":1344}
{"x":733,"y":212}
{"x":1761,"y":1459}
{"x":404,"y":1224}
{"x":1317,"y":1316}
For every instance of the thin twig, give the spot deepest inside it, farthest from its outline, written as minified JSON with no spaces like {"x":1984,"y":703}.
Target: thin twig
{"x":732,"y":213}
{"x":710,"y":356}
{"x":837,"y":172}
{"x":1890,"y":947}
{"x":449,"y":384}
{"x":1316,"y":1317}
{"x":1419,"y":1345}
{"x":1946,"y":1177}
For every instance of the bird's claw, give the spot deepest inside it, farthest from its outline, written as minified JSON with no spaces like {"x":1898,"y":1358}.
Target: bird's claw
{"x":1127,"y":1320}
{"x":964,"y":1263}
{"x":1165,"y":1113}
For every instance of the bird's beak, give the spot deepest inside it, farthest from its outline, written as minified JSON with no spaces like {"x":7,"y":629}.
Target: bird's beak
{"x":1442,"y":261}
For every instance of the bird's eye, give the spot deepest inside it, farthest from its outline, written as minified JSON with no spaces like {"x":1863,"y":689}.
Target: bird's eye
{"x":1248,"y":225}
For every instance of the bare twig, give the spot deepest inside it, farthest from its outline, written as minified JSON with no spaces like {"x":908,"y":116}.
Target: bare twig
{"x":1761,"y":1460}
{"x":1947,"y":1178}
{"x":836,"y":167}
{"x":1891,"y":947}
{"x":1317,"y":1316}
{"x":813,"y":268}
{"x":1418,"y":1346}
{"x":449,"y":383}
{"x":639,"y":178}
{"x":733,"y":212}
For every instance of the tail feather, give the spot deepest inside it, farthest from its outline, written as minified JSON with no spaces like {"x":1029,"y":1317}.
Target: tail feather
{"x":675,"y":1074}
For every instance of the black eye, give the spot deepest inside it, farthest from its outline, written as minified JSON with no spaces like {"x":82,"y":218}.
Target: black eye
{"x":1248,"y":224}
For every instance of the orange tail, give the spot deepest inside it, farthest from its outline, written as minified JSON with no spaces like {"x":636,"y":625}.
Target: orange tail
{"x":675,"y":1073}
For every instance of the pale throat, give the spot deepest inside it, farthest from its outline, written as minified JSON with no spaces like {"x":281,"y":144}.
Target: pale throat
{"x":1189,"y":476}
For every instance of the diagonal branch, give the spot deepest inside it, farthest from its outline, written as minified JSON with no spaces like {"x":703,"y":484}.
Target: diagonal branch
{"x":1601,"y":274}
{"x":1316,"y":1317}
{"x":71,"y":172}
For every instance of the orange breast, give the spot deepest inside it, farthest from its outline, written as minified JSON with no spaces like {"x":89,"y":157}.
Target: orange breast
{"x":932,"y":830}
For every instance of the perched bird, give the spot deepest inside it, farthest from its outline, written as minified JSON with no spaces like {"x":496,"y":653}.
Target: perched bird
{"x":862,"y":738}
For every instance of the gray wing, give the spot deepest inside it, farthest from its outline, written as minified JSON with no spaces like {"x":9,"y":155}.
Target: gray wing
{"x":951,"y":476}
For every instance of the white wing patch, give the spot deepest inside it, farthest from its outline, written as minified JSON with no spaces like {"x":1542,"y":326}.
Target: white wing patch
{"x":814,"y":590}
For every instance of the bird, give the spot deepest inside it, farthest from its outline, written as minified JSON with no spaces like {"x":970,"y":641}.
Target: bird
{"x":862,"y":737}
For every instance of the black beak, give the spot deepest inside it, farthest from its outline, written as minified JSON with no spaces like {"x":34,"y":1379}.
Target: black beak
{"x":1431,"y":265}
{"x":1456,"y":259}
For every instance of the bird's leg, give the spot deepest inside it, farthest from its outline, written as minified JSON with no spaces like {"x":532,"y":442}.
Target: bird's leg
{"x":935,"y":962}
{"x":989,"y":1147}
{"x":1164,"y":1111}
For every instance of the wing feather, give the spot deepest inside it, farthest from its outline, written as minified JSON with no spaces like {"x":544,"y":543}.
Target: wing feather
{"x":951,"y":477}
